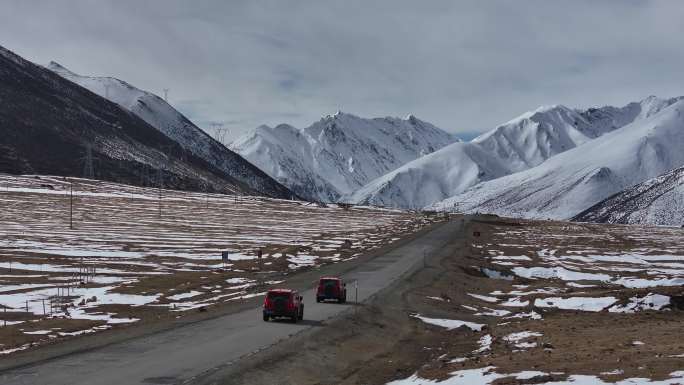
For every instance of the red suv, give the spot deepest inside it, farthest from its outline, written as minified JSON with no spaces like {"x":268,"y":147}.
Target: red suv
{"x":283,"y":303}
{"x":331,"y":288}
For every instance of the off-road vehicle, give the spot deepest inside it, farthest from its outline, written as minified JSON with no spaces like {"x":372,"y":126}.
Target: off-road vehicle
{"x":283,"y":303}
{"x":331,"y":288}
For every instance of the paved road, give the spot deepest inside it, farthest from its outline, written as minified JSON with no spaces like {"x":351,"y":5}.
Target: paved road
{"x":177,"y":356}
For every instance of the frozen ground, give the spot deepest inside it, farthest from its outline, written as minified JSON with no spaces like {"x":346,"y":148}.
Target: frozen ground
{"x":508,"y":302}
{"x":561,"y":303}
{"x":132,"y":256}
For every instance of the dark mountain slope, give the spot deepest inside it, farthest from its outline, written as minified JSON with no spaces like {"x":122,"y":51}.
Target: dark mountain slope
{"x":47,"y":124}
{"x":658,"y":201}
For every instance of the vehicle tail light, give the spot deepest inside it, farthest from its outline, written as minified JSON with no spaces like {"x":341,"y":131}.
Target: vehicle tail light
{"x":267,"y":302}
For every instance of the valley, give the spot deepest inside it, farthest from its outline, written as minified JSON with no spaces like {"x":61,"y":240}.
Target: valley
{"x":524,"y":302}
{"x":180,"y":203}
{"x":80,"y":256}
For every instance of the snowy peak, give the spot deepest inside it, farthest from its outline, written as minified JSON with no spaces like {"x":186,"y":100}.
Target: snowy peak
{"x":573,"y":181}
{"x":524,"y":142}
{"x":121,"y":93}
{"x":340,"y":152}
{"x":653,"y":104}
{"x":609,"y":118}
{"x":59,"y":69}
{"x":535,"y":136}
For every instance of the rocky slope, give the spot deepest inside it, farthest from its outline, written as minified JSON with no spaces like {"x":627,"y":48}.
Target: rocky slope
{"x":658,"y":201}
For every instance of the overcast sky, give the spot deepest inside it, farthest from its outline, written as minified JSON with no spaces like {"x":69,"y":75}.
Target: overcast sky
{"x":464,"y":66}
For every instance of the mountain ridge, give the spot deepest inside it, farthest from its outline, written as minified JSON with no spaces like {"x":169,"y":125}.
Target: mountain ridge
{"x":52,"y":126}
{"x":575,"y":180}
{"x":517,"y":145}
{"x":339,"y":152}
{"x":159,"y":114}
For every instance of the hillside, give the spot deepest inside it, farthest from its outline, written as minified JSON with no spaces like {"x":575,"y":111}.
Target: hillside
{"x":515,"y":146}
{"x":162,"y":116}
{"x":339,"y":153}
{"x":575,"y":180}
{"x":658,"y":201}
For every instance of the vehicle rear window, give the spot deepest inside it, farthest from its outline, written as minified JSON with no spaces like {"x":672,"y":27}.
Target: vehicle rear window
{"x":328,"y":281}
{"x":278,"y":295}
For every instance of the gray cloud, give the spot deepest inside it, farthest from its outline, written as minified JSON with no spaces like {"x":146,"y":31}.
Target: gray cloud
{"x":465,"y":66}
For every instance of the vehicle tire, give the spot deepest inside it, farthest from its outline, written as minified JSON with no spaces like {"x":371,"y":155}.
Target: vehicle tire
{"x":301,"y":313}
{"x":266,"y":318}
{"x":318,"y":299}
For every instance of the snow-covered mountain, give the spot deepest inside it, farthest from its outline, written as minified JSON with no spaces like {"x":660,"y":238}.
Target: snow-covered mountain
{"x":658,"y":201}
{"x":575,"y":180}
{"x":159,"y":114}
{"x":339,"y":153}
{"x":517,"y":145}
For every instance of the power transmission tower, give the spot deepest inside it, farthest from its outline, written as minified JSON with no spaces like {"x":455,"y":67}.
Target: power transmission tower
{"x":166,"y":150}
{"x":160,"y":180}
{"x":71,"y":205}
{"x":220,"y":132}
{"x":166,"y":95}
{"x":143,"y":174}
{"x":88,"y":168}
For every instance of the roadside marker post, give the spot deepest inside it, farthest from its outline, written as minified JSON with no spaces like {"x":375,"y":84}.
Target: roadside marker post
{"x":261,"y":267}
{"x":356,"y":291}
{"x":224,"y":258}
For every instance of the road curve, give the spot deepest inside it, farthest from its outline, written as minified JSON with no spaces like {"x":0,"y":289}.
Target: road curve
{"x":179,"y":355}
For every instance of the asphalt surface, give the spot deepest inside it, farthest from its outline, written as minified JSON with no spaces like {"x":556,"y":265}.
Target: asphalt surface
{"x":181,"y":355}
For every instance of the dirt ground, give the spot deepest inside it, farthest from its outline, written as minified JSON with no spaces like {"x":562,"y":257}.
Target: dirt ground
{"x":125,"y":263}
{"x":382,"y":340}
{"x":163,"y":320}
